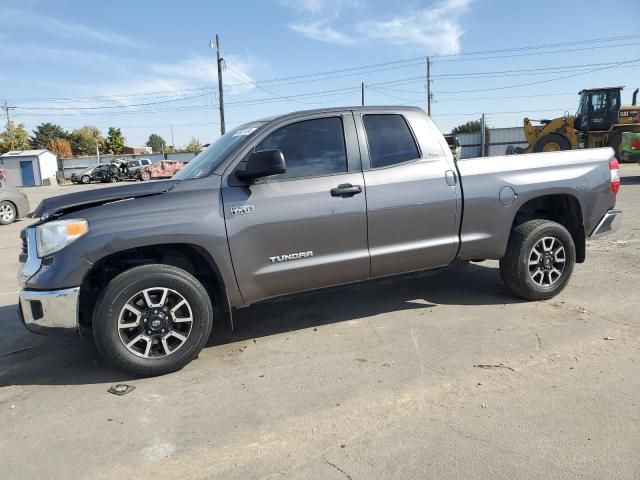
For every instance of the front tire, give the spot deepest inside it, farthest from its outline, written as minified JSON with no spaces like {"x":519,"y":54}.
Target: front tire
{"x":85,"y":179}
{"x":539,"y":261}
{"x":152,"y":320}
{"x":552,"y":142}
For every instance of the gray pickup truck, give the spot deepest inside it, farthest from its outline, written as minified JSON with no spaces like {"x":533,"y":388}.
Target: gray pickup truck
{"x":294,"y":203}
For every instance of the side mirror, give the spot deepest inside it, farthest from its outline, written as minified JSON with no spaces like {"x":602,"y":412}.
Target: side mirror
{"x":262,"y":164}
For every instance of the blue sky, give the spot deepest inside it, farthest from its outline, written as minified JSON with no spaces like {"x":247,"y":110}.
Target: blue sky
{"x":144,"y":66}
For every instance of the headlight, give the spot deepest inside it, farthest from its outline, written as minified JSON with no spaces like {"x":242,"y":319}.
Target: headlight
{"x":54,"y":236}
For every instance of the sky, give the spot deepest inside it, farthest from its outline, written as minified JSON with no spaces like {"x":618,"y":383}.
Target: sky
{"x":146,"y":66}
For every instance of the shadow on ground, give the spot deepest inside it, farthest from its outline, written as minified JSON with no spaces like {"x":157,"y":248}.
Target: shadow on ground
{"x":29,"y":359}
{"x":630,"y":180}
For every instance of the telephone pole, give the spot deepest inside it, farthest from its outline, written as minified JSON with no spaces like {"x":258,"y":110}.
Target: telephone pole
{"x":429,"y":94}
{"x":362,"y":89}
{"x":220,"y":97}
{"x":9,"y":127}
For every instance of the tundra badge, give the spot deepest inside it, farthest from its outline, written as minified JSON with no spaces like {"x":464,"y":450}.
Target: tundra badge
{"x":242,"y":210}
{"x":290,"y":256}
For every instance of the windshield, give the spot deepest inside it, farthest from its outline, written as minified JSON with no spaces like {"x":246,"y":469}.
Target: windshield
{"x":204,"y":163}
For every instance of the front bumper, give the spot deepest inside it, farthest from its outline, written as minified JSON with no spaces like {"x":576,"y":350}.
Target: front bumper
{"x":50,"y":312}
{"x":608,"y":224}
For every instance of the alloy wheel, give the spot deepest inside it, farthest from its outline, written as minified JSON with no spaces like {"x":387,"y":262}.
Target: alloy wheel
{"x":155,"y":322}
{"x":7,"y":212}
{"x":547,"y":260}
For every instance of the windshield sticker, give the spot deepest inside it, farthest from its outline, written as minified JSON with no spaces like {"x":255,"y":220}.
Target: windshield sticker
{"x":245,"y":131}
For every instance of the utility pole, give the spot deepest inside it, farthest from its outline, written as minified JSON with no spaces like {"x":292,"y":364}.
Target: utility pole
{"x":482,"y":135}
{"x":9,"y":127}
{"x":173,"y":144}
{"x":362,"y":89}
{"x":220,"y":97}
{"x":429,"y":94}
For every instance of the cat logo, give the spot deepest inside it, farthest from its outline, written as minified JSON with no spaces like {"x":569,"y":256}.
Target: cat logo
{"x":242,"y":210}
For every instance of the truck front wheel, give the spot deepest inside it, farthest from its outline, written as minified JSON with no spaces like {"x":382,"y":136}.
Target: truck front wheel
{"x":152,"y":319}
{"x":539,"y":261}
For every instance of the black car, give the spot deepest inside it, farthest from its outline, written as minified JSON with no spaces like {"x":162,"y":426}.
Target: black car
{"x":102,"y":172}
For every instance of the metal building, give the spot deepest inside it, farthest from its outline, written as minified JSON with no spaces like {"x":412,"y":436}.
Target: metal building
{"x":29,"y":168}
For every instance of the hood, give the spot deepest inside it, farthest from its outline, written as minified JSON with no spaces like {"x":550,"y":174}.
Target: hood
{"x":72,"y":202}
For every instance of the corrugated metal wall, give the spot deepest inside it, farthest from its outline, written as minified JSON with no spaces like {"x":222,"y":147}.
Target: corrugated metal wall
{"x":497,"y":140}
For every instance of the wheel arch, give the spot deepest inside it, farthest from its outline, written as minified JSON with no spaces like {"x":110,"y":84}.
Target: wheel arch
{"x":563,"y":208}
{"x":189,"y":257}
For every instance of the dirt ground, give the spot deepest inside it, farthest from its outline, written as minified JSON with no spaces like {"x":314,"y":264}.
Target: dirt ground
{"x":436,"y":375}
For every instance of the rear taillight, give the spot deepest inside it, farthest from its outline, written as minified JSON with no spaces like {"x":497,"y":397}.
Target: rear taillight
{"x":614,"y":168}
{"x":635,"y":143}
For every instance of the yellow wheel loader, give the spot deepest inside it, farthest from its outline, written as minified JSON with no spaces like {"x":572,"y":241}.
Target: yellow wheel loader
{"x":599,"y":122}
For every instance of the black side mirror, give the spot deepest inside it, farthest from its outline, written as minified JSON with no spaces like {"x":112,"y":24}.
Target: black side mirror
{"x":262,"y":164}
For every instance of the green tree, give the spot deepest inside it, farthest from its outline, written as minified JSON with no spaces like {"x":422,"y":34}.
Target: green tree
{"x":85,"y":140}
{"x":194,"y":145}
{"x":45,"y":132}
{"x":470,"y":127}
{"x":14,"y":137}
{"x":115,"y":141}
{"x":60,"y":146}
{"x":156,"y":142}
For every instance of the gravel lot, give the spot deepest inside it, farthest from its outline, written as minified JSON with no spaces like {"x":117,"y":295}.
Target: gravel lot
{"x":379,"y":380}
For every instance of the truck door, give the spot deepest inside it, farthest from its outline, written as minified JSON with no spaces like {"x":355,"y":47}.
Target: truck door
{"x":306,"y":228}
{"x":412,"y":193}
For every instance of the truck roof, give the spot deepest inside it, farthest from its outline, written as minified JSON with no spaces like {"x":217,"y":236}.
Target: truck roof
{"x":356,"y":109}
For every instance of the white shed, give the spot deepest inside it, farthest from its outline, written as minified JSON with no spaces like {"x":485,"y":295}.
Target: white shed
{"x":28,"y":168}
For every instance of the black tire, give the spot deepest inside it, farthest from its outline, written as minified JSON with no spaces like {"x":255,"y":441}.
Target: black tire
{"x":85,"y":179}
{"x":518,"y":275}
{"x":145,"y":176}
{"x":614,"y":142}
{"x":550,"y":139}
{"x":127,"y":285}
{"x":8,"y":213}
{"x":113,"y":179}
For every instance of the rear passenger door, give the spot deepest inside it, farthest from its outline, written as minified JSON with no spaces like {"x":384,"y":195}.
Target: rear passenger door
{"x":412,"y":193}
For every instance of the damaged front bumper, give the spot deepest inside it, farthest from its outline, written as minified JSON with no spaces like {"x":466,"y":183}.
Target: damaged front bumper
{"x":50,"y":312}
{"x":44,"y":311}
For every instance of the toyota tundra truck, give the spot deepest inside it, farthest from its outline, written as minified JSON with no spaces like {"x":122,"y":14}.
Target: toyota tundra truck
{"x":294,"y":203}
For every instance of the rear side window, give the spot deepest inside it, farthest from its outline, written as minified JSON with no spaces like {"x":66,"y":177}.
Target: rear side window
{"x":310,"y":148}
{"x":390,"y":140}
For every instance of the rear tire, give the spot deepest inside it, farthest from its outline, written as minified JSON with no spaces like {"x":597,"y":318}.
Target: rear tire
{"x":552,"y":142}
{"x":163,"y":348}
{"x":614,"y":142}
{"x":8,"y":213}
{"x":539,"y":260}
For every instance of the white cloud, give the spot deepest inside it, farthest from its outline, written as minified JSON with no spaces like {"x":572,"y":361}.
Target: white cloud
{"x":436,"y":29}
{"x":10,"y":18}
{"x":319,"y":6}
{"x":321,"y":31}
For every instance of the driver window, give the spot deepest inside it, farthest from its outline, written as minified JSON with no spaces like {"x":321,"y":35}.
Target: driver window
{"x":310,"y":148}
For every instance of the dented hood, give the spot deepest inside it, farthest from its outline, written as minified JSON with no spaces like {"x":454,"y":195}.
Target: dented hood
{"x":72,"y":202}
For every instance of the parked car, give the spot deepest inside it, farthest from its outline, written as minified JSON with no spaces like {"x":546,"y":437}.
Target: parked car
{"x":134,"y":166}
{"x":159,"y":169}
{"x":299,"y":202}
{"x":100,"y":172}
{"x":13,"y":204}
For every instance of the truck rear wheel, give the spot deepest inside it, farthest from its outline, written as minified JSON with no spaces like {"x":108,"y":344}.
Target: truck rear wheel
{"x":152,"y":320}
{"x":539,"y":261}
